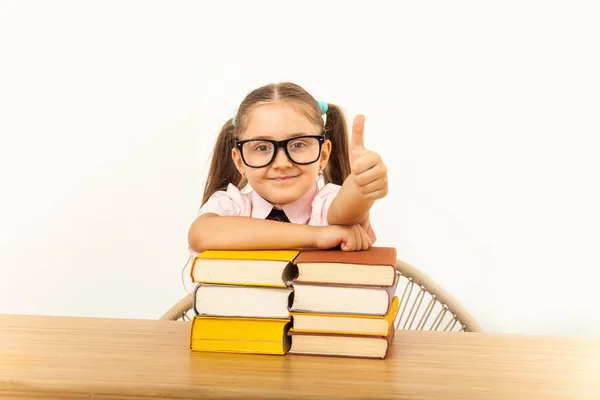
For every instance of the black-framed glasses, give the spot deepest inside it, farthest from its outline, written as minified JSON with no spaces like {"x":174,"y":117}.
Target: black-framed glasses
{"x":258,"y":153}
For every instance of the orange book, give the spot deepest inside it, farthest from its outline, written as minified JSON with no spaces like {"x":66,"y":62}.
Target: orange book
{"x":373,"y":267}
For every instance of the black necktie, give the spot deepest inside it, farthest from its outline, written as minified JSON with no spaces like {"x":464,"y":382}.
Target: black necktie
{"x":277,"y":215}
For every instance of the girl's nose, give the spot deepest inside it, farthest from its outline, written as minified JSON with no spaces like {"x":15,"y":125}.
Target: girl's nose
{"x":281,"y":159}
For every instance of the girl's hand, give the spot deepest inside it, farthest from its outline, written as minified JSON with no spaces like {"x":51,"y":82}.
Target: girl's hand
{"x":368,"y":169}
{"x":350,"y":238}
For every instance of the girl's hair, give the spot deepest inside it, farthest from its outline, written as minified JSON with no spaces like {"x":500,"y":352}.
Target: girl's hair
{"x":222,"y":168}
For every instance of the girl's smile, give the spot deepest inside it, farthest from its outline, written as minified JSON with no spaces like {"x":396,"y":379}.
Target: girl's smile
{"x":284,"y":178}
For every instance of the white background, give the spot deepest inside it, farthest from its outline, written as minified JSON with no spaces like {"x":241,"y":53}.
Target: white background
{"x":487,"y":115}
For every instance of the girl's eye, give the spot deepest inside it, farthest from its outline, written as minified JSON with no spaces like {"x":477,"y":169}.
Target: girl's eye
{"x":262,"y":147}
{"x":297,"y":144}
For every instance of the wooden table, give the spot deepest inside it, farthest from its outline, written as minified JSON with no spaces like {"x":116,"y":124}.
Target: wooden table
{"x":67,"y":358}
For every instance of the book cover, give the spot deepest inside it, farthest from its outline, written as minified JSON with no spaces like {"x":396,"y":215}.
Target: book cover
{"x":373,"y":256}
{"x":267,"y":255}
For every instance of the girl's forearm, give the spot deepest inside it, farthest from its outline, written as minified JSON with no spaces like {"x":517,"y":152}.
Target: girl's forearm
{"x":349,"y":207}
{"x":213,"y":232}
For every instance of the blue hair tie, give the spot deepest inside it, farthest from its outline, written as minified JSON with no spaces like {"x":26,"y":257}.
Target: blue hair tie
{"x":233,"y":121}
{"x":323,"y":106}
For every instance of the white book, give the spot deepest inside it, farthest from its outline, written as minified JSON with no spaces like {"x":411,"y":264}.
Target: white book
{"x":242,"y":301}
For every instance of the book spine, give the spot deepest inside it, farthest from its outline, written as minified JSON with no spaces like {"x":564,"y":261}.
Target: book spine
{"x":194,"y":298}
{"x":391,"y":292}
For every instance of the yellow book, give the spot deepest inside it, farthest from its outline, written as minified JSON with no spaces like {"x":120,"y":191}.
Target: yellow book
{"x":249,"y":267}
{"x":346,"y":324}
{"x":240,"y":335}
{"x":274,"y":255}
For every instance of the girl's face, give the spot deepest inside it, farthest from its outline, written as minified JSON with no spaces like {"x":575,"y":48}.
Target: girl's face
{"x":283,"y":181}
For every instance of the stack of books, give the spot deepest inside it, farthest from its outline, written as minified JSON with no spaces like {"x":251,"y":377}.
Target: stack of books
{"x":312,"y":302}
{"x":344,"y":303}
{"x":241,"y":301}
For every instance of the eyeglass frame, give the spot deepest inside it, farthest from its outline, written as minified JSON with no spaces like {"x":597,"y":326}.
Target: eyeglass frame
{"x":280,"y":144}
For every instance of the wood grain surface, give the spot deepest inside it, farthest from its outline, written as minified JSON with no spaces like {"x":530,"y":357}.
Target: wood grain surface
{"x":71,"y":357}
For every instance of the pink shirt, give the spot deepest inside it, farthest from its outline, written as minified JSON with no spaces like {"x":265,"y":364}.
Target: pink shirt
{"x":310,"y":209}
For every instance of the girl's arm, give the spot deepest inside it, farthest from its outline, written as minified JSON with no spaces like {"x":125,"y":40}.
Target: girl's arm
{"x":349,"y":207}
{"x":367,"y":182}
{"x":213,"y":232}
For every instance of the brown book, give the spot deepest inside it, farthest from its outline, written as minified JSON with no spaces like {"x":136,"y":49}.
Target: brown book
{"x":373,"y":267}
{"x":340,"y":345}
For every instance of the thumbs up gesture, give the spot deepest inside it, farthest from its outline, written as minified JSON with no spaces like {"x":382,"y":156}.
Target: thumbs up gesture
{"x":368,"y":170}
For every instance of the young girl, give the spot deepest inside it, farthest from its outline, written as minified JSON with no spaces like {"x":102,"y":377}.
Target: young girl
{"x":278,"y":146}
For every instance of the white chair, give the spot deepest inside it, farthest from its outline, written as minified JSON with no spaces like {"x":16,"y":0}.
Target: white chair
{"x":424,"y":305}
